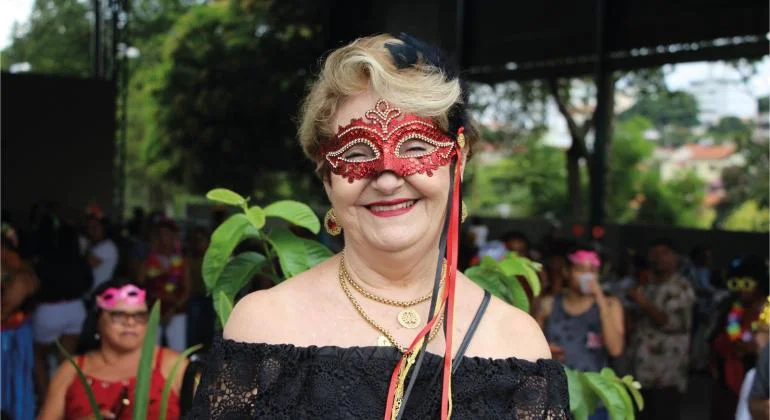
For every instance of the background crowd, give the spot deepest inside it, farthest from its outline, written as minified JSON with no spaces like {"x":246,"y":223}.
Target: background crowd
{"x":659,"y":313}
{"x":665,"y":315}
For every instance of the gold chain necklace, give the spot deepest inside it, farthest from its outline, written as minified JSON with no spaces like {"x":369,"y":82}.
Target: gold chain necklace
{"x":386,"y":338}
{"x":391,"y":302}
{"x":408,"y":318}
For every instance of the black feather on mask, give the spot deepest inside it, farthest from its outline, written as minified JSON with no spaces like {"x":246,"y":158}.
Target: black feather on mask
{"x":414,"y":51}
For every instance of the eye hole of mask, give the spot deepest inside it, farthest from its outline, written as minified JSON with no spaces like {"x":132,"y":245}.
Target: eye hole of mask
{"x":415,"y":147}
{"x":360,"y":152}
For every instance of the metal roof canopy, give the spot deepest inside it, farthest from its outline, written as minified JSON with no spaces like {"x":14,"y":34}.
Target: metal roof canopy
{"x":505,"y":40}
{"x":554,"y":38}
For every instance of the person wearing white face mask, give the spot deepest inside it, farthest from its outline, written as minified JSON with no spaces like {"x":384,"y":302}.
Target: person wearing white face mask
{"x":583,"y":326}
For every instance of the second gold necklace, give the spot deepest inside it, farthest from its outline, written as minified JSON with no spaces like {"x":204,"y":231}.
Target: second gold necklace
{"x":408,"y":317}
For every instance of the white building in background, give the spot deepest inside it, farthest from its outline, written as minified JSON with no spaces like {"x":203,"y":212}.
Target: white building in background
{"x":722,"y":97}
{"x":707,"y":161}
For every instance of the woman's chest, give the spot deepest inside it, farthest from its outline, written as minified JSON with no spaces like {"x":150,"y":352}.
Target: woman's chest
{"x":357,"y":388}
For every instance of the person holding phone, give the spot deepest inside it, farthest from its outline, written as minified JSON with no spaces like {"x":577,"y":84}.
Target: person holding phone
{"x":583,"y":326}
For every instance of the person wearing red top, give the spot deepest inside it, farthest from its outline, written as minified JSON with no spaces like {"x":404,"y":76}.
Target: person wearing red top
{"x":111,"y":350}
{"x":734,"y":351}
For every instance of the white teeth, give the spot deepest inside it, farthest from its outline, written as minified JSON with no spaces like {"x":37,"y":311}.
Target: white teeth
{"x":399,"y":206}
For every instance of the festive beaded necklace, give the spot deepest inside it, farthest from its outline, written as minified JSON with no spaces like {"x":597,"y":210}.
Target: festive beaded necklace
{"x":734,"y":329}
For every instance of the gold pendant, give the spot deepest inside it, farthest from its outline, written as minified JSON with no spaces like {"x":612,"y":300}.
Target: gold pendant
{"x":409,"y":318}
{"x":383,"y":341}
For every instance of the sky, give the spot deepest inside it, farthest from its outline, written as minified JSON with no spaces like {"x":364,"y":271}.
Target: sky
{"x":678,"y":77}
{"x":681,"y":75}
{"x":12,"y":11}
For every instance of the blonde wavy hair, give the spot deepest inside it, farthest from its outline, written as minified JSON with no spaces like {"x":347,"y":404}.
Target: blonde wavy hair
{"x":365,"y":64}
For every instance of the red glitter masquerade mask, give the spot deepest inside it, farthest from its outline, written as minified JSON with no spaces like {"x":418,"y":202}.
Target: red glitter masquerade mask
{"x":404,"y":146}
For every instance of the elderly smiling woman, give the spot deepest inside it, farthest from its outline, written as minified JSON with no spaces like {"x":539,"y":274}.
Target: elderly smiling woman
{"x":388,"y":326}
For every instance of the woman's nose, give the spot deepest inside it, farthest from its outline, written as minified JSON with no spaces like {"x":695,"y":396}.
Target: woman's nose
{"x":130,"y":320}
{"x":387,"y":182}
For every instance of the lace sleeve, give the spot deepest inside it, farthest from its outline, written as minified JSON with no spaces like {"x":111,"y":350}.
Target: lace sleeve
{"x":236,"y":377}
{"x":543,"y":393}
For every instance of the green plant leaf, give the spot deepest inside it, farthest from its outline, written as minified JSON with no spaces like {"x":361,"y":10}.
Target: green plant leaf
{"x":515,"y":265}
{"x":295,"y":212}
{"x":608,"y":373}
{"x":605,"y":388}
{"x":83,"y":381}
{"x":488,"y":262}
{"x":170,"y":378}
{"x":296,"y":254}
{"x":223,"y":305}
{"x":621,"y":389}
{"x":227,"y":236}
{"x":490,"y":279}
{"x":577,"y":395}
{"x":589,"y":396}
{"x":512,"y":264}
{"x":256,"y":216}
{"x":144,"y":372}
{"x":633,"y":389}
{"x":624,"y":385}
{"x":238,"y":272}
{"x":223,"y":195}
{"x":518,"y":297}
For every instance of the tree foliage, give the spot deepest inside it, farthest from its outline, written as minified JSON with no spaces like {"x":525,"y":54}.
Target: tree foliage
{"x":213,"y":96}
{"x":515,"y":110}
{"x":56,"y":39}
{"x":746,"y":183}
{"x":529,"y":180}
{"x":731,"y":129}
{"x":676,"y":202}
{"x":749,"y":217}
{"x":666,"y":108}
{"x":628,"y":157}
{"x":146,"y":181}
{"x":763,"y":104}
{"x":226,"y":98}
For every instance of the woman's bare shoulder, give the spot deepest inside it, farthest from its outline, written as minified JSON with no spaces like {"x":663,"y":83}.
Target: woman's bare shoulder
{"x":268,"y":316}
{"x":170,"y":358}
{"x":64,"y":374}
{"x":520,"y":335}
{"x":506,"y":331}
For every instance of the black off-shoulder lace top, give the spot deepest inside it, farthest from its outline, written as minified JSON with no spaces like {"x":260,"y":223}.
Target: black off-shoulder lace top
{"x":269,"y":381}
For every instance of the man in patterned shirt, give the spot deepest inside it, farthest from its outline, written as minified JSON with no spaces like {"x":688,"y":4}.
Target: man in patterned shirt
{"x":662,"y":339}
